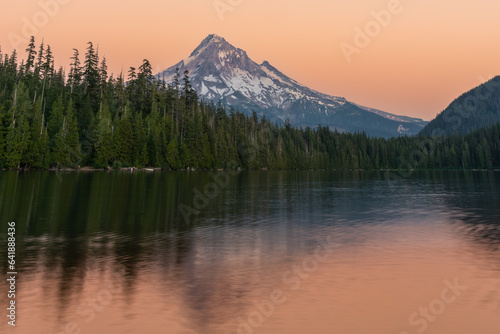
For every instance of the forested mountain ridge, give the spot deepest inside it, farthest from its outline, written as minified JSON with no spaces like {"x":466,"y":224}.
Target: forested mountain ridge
{"x":91,"y":118}
{"x":477,"y":108}
{"x":221,"y":72}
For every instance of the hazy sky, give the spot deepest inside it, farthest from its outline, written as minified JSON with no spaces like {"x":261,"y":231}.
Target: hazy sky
{"x":414,"y":61}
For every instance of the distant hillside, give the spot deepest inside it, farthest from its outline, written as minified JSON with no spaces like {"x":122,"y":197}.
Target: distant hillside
{"x":475,"y":109}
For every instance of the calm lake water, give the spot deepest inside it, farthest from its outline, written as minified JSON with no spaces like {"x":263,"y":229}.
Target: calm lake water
{"x":270,"y":252}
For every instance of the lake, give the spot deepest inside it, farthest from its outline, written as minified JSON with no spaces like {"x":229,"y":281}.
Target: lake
{"x":252,"y":252}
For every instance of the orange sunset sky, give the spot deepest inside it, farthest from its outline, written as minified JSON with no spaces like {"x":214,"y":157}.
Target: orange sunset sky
{"x":427,"y":54}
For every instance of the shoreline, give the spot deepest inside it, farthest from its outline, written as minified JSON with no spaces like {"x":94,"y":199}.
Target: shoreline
{"x":159,"y":169}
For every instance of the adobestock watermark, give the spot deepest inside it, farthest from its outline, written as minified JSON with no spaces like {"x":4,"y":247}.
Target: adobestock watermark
{"x":293,"y":279}
{"x":427,"y":146}
{"x":201,"y":200}
{"x":223,"y":6}
{"x":468,"y":105}
{"x":363,"y":36}
{"x":221,"y":179}
{"x":421,"y":319}
{"x":88,"y":309}
{"x":30,"y":26}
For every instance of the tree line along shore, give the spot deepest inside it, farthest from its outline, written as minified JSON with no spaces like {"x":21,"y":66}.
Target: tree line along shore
{"x":50,"y":119}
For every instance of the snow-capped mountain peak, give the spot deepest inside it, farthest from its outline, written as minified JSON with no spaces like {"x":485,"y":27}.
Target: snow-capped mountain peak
{"x":220,"y":71}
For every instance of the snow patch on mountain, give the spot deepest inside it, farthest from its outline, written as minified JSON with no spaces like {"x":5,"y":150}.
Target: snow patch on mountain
{"x":219,"y":71}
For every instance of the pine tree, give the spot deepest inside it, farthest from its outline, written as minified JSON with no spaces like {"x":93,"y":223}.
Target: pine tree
{"x":75,"y":73}
{"x":172,"y":155}
{"x":66,"y":147}
{"x":56,"y":119}
{"x":59,"y":150}
{"x":154,"y":142}
{"x":39,"y":62}
{"x":139,"y":149}
{"x":123,"y":137}
{"x":18,"y":133}
{"x":188,"y":90}
{"x":466,"y":159}
{"x":48,"y":69}
{"x":38,"y":150}
{"x":103,"y":138}
{"x":176,"y":82}
{"x":90,"y":72}
{"x":73,"y":148}
{"x":30,"y":61}
{"x":3,"y":133}
{"x":85,"y":119}
{"x":103,"y":73}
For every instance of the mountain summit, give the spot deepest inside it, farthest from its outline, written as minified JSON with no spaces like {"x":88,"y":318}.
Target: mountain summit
{"x":220,"y":71}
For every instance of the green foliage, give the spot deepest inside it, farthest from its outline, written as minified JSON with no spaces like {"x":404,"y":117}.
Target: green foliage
{"x":66,"y":150}
{"x":124,"y":139}
{"x":18,"y":133}
{"x":103,"y":138}
{"x":117,"y":164}
{"x":56,"y":119}
{"x":38,"y":151}
{"x":139,"y":147}
{"x":3,"y":134}
{"x":93,"y":119}
{"x":478,"y":108}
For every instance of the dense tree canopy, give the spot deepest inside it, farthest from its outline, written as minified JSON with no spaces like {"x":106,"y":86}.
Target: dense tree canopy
{"x":88,"y":117}
{"x":478,"y":108}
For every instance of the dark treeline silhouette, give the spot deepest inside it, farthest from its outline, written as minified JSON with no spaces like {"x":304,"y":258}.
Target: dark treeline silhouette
{"x":88,"y":117}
